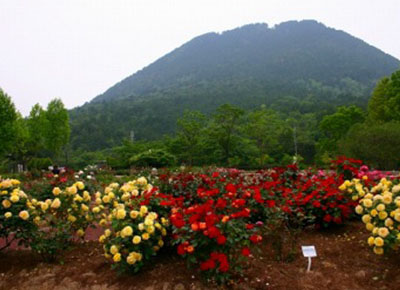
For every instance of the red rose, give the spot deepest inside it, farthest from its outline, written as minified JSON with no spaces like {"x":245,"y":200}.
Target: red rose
{"x":221,"y":240}
{"x":246,"y":252}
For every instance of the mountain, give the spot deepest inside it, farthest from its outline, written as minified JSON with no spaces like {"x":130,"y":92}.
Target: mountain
{"x":303,"y":66}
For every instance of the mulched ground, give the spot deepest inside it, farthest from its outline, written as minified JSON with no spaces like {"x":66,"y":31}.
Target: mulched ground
{"x":344,"y":262}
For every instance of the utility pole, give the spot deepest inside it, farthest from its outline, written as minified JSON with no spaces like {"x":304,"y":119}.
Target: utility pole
{"x":132,"y":136}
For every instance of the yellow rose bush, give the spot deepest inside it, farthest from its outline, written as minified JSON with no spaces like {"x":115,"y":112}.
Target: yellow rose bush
{"x":61,"y":219}
{"x":130,"y":194}
{"x":15,"y":217}
{"x":379,"y":208}
{"x":134,"y":236}
{"x":134,"y":229}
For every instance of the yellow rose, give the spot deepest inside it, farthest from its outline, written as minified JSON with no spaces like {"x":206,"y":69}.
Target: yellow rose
{"x":383,"y":215}
{"x":80,"y":185}
{"x":6,"y":203}
{"x":56,"y":191}
{"x":136,"y":240}
{"x":141,"y":226}
{"x":131,"y":259}
{"x":141,"y":181}
{"x":369,"y":226}
{"x":367,"y":202}
{"x":371,"y":241}
{"x":388,"y":222}
{"x":71,"y":218}
{"x":133,"y":214}
{"x":96,"y":209}
{"x":114,"y":249}
{"x":117,"y":257}
{"x":387,"y":199}
{"x":164,"y":221}
{"x":366,"y":218}
{"x":143,"y":210}
{"x":379,"y":242}
{"x":107,"y":233}
{"x":383,"y":232}
{"x":365,"y":177}
{"x":145,"y":236}
{"x":120,"y":214}
{"x":378,"y":250}
{"x":102,"y":238}
{"x":160,"y":243}
{"x":72,"y":190}
{"x":106,"y":199}
{"x":80,"y":232}
{"x":126,"y":232}
{"x":44,"y":206}
{"x":56,"y":203}
{"x":24,"y":215}
{"x":14,"y":198}
{"x":78,"y":198}
{"x":164,"y":232}
{"x":374,"y":212}
{"x":148,"y":222}
{"x":84,"y":207}
{"x":7,"y":215}
{"x":381,"y":207}
{"x":150,"y":229}
{"x":359,"y":209}
{"x":397,"y":217}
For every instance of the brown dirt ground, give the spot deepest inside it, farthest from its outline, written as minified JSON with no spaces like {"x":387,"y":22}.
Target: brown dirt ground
{"x":344,"y":262}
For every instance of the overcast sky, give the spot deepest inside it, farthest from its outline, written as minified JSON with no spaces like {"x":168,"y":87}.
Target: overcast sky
{"x":76,"y":49}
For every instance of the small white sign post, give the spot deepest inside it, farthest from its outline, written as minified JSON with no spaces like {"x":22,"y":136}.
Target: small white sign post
{"x":309,"y":252}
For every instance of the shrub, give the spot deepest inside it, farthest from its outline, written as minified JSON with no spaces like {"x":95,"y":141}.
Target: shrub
{"x":153,"y":158}
{"x":134,"y":233}
{"x":15,"y":219}
{"x":60,"y":220}
{"x":379,"y":207}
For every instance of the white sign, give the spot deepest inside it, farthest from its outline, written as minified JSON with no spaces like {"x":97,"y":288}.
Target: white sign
{"x":309,"y":251}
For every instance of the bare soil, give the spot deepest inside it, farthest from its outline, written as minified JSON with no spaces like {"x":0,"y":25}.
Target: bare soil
{"x":344,"y":262}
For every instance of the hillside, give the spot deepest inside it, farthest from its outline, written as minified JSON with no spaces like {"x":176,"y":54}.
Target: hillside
{"x":303,"y":66}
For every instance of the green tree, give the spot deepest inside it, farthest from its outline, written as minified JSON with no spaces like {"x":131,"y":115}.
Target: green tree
{"x":335,"y":126}
{"x":37,"y":124}
{"x":377,"y":144}
{"x":264,"y":128}
{"x":225,"y":128}
{"x":384,"y":104}
{"x":190,"y":134}
{"x":19,"y":152}
{"x":8,"y":117}
{"x":57,"y":131}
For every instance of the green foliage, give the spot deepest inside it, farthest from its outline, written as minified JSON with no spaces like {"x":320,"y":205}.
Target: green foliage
{"x":39,"y":163}
{"x":57,"y":130}
{"x":385,"y":101}
{"x":376,"y":144}
{"x":264,"y":128}
{"x":153,"y":158}
{"x":335,"y":126}
{"x":37,"y":124}
{"x":8,"y":117}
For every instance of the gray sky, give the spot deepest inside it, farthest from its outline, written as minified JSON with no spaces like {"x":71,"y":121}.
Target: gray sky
{"x":76,"y":49}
